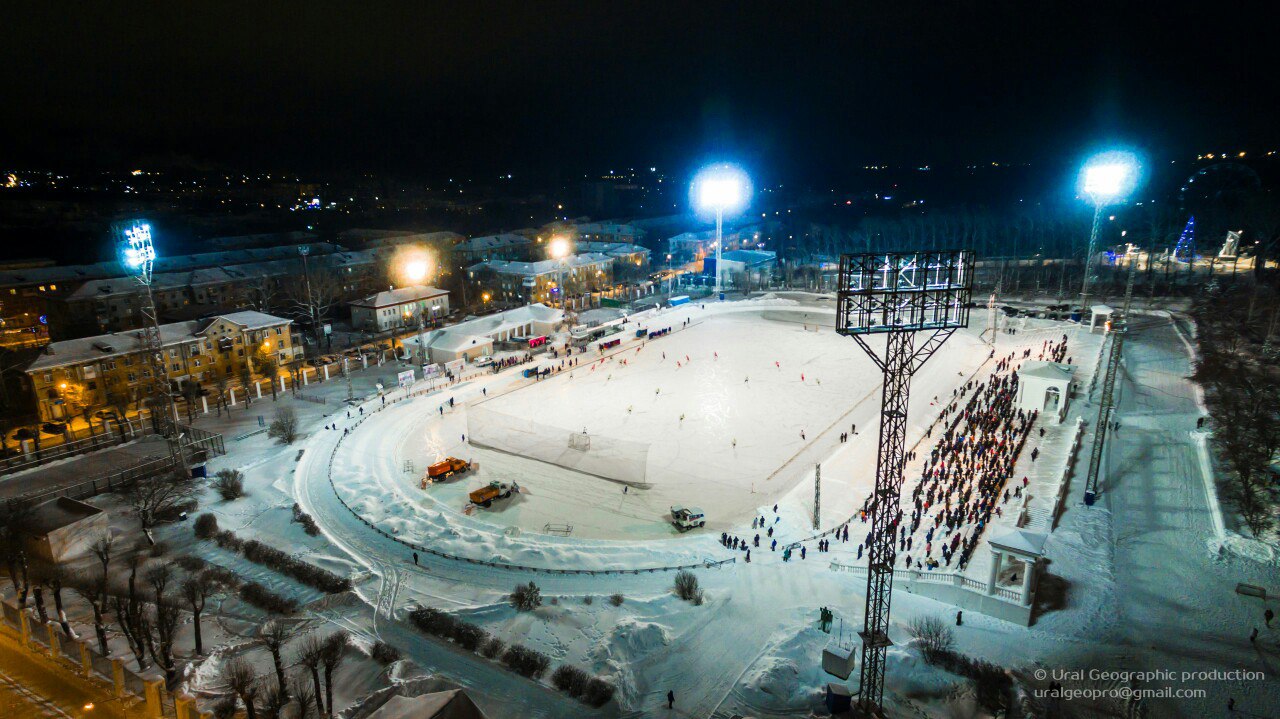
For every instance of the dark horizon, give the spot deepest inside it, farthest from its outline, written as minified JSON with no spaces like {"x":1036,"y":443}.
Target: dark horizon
{"x":553,"y":90}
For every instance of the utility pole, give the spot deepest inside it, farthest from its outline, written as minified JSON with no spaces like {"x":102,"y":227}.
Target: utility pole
{"x":899,"y":294}
{"x":1106,"y":407}
{"x":305,"y":250}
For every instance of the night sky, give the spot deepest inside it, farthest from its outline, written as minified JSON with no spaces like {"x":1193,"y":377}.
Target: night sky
{"x":473,"y":88}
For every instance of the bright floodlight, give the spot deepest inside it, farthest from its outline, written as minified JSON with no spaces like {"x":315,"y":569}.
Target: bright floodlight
{"x":1110,"y":176}
{"x":138,"y":249}
{"x":416,"y":270}
{"x":558,"y":247}
{"x":721,"y":188}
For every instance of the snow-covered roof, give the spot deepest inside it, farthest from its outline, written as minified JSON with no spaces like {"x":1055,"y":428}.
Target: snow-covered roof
{"x":491,"y":242}
{"x":1102,"y":309}
{"x":118,"y":344}
{"x":1047,"y":370}
{"x":612,"y":249}
{"x":543,"y":267}
{"x":58,"y":513}
{"x":400,"y":296}
{"x":485,"y":328}
{"x":1020,"y":541}
{"x":451,"y":704}
{"x":163,"y":264}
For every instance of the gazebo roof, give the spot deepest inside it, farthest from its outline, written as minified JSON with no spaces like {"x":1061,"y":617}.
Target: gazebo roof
{"x":1020,"y":542}
{"x":1047,"y":370}
{"x":1102,"y":309}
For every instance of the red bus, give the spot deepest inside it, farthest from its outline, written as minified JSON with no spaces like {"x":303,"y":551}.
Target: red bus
{"x":537,"y":341}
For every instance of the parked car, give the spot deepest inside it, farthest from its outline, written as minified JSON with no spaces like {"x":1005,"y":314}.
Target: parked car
{"x":484,"y":360}
{"x":54,"y":427}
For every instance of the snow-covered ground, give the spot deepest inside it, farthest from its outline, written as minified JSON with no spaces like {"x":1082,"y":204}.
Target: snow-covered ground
{"x":1132,"y":583}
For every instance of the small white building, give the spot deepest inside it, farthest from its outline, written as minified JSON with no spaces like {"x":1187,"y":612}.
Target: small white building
{"x":394,"y":309}
{"x":1100,"y":313}
{"x":476,"y":337}
{"x":1045,"y":387}
{"x":64,"y":528}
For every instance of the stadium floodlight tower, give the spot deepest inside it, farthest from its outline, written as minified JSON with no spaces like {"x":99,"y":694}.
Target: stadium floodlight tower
{"x":138,"y":255}
{"x":721,"y":189}
{"x":1106,"y":179}
{"x":899,"y":295}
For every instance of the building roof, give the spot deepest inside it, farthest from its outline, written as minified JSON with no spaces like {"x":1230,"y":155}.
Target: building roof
{"x":1047,"y":370}
{"x":372,"y":237}
{"x":452,"y":704}
{"x":57,"y":513}
{"x":492,"y":242}
{"x":612,"y":249}
{"x":400,"y":296}
{"x":1020,"y":541}
{"x":118,"y":344}
{"x":482,"y":329}
{"x":543,"y":267}
{"x":163,"y":264}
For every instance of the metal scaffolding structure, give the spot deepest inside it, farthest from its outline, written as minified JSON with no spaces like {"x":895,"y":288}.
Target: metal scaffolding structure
{"x":899,"y":295}
{"x":1106,"y":407}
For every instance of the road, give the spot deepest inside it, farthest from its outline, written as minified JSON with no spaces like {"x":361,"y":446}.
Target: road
{"x":31,"y":686}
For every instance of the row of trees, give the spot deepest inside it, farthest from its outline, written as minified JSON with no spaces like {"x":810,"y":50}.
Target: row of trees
{"x":1239,"y":332}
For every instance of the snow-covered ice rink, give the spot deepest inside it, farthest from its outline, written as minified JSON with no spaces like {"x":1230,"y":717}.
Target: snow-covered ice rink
{"x":748,"y":379}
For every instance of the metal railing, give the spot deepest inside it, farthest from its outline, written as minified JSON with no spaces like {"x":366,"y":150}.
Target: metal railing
{"x":94,"y":441}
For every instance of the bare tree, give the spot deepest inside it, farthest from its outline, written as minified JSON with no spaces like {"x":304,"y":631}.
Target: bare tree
{"x":304,"y":695}
{"x":333,"y":653}
{"x":274,"y":634}
{"x":131,"y":615}
{"x":14,"y":518}
{"x":240,"y":678}
{"x":310,"y":299}
{"x":92,"y":587}
{"x":221,"y":383}
{"x":311,"y":656}
{"x":196,"y":590}
{"x":164,"y":619}
{"x":154,"y":497}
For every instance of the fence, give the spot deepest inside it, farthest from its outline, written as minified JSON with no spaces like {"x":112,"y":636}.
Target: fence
{"x":82,"y":657}
{"x":707,"y":564}
{"x":94,"y":441}
{"x":199,"y":447}
{"x":954,"y":579}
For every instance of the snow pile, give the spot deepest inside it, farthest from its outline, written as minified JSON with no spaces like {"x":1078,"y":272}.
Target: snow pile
{"x":631,"y":640}
{"x":788,"y":677}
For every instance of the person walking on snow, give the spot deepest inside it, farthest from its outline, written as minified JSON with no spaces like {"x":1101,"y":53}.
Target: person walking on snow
{"x":671,"y":699}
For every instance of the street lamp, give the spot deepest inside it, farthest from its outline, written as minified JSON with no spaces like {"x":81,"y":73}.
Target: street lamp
{"x":1106,"y":179}
{"x":558,"y":249}
{"x":416,"y":269}
{"x":721,"y":189}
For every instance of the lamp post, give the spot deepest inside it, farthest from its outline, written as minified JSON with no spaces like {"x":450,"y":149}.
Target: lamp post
{"x":305,"y":250}
{"x":416,"y":271}
{"x":721,"y":189}
{"x":559,"y":250}
{"x":1105,"y":179}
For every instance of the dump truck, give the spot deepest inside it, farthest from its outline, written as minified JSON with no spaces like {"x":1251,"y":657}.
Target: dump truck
{"x":494,"y":490}
{"x":686,"y":518}
{"x":446,"y":467}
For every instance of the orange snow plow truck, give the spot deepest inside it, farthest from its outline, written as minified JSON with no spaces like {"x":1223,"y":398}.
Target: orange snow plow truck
{"x":446,"y":467}
{"x":494,"y":490}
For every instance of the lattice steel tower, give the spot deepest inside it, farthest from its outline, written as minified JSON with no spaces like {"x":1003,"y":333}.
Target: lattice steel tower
{"x":138,"y":255}
{"x":1106,"y":407}
{"x":897,"y":294}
